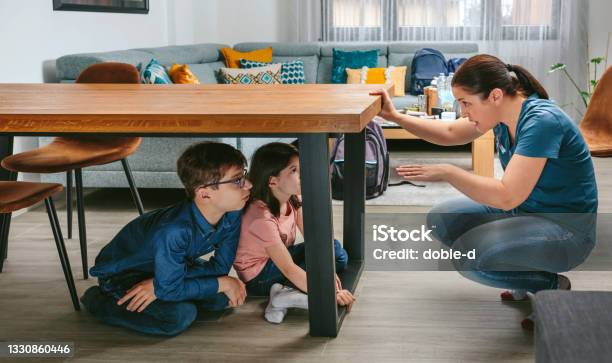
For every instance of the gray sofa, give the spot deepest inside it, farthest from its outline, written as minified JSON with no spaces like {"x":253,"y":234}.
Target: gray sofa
{"x":153,"y":164}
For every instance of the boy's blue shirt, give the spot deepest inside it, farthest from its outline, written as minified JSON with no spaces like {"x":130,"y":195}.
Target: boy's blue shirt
{"x":167,"y":243}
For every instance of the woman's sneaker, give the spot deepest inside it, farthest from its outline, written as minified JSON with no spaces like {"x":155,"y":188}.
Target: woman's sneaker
{"x":513,"y":295}
{"x":563,"y":283}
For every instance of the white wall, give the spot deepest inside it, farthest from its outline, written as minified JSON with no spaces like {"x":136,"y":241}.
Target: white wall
{"x":600,"y":24}
{"x":32,"y":36}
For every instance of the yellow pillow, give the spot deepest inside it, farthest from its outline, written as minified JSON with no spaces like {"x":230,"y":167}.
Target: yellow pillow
{"x":233,"y":57}
{"x":365,"y":75}
{"x":181,"y":74}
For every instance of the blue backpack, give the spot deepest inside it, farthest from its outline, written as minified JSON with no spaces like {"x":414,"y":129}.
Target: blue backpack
{"x":426,"y":64}
{"x":454,"y":64}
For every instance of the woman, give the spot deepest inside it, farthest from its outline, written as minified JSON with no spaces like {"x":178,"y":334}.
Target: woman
{"x":539,"y":219}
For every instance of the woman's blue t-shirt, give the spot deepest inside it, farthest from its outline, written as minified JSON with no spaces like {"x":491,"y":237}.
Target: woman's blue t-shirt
{"x":567,"y":183}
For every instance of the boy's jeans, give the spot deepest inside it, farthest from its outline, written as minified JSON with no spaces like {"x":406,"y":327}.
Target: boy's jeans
{"x":270,"y":275}
{"x":513,"y":251}
{"x":160,"y":317}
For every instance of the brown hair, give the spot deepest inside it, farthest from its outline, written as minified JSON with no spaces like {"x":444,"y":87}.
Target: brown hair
{"x":483,"y":73}
{"x":268,"y":161}
{"x":206,"y":162}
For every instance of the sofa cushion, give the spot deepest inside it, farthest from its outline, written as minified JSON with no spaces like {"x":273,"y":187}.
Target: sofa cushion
{"x":392,"y":75}
{"x":325,"y":62}
{"x":286,"y":52}
{"x":401,"y":54}
{"x":261,"y":75}
{"x":232,"y":57}
{"x":155,"y":73}
{"x":207,"y":73}
{"x":182,"y":74}
{"x":342,"y":60}
{"x":291,"y":72}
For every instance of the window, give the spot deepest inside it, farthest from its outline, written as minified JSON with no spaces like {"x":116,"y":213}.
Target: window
{"x":441,"y":19}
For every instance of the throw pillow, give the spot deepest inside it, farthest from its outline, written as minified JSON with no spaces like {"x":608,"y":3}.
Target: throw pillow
{"x":155,"y":73}
{"x":181,"y":74}
{"x":365,"y":75}
{"x":262,"y":75}
{"x":354,"y":60}
{"x":233,"y":57}
{"x":291,"y":72}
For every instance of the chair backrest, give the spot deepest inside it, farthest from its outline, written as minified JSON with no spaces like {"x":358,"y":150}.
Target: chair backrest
{"x":596,"y":125}
{"x":109,"y":72}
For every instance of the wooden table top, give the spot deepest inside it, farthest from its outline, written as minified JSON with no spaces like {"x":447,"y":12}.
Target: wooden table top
{"x":182,"y":109}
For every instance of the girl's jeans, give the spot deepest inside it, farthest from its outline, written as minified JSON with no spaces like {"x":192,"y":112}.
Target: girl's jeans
{"x":270,"y":275}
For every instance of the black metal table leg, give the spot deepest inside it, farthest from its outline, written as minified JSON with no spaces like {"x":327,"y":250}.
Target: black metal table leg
{"x":318,"y":234}
{"x":6,"y":149}
{"x":354,"y":208}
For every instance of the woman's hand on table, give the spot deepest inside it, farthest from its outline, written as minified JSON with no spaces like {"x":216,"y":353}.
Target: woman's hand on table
{"x":388,"y":111}
{"x":430,"y":172}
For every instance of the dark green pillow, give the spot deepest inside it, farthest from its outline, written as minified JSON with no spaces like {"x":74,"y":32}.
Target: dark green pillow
{"x":355,"y":59}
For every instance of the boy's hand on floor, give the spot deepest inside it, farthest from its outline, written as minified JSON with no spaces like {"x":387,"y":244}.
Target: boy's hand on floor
{"x":234,"y":289}
{"x":345,"y":298}
{"x":142,"y":294}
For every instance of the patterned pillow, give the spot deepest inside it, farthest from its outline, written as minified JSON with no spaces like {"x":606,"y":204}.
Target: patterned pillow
{"x":155,"y":73}
{"x":291,"y":72}
{"x":262,"y":75}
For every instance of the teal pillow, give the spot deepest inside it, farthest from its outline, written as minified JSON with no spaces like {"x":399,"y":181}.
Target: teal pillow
{"x":291,"y":72}
{"x":155,"y":73}
{"x":356,"y":59}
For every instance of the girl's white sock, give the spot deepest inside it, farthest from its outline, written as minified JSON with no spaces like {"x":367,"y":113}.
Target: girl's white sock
{"x":288,"y":297}
{"x":273,"y":314}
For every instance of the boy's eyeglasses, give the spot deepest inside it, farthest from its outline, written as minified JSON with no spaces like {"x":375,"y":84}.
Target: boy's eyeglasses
{"x":239,"y":182}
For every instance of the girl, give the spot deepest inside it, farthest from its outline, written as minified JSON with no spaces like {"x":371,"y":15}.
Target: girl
{"x":266,"y":252}
{"x":539,"y":219}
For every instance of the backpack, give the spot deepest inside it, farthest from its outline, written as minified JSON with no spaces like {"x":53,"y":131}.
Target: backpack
{"x":377,"y":163}
{"x":426,"y":64}
{"x":454,"y":64}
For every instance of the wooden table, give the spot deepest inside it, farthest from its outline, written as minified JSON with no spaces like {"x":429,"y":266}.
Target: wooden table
{"x":309,"y":112}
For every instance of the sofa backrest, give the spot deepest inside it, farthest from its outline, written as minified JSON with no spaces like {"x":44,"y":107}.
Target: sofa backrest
{"x":206,"y":59}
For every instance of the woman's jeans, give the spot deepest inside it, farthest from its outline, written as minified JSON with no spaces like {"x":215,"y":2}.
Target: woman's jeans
{"x":270,"y":275}
{"x":159,"y":318}
{"x":513,"y":250}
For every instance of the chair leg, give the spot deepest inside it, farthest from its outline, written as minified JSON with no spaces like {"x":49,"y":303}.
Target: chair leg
{"x":69,"y":202}
{"x":133,"y":189}
{"x":61,"y":250}
{"x":78,"y":176}
{"x":5,"y":225}
{"x":5,"y":219}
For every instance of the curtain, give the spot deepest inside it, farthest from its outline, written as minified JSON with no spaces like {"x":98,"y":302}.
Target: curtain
{"x":532,"y":33}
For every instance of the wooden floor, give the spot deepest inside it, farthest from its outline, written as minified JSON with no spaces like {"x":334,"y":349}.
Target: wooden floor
{"x":399,"y":316}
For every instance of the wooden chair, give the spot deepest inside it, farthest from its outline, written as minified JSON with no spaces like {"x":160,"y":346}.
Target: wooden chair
{"x":65,"y":154}
{"x":18,"y":195}
{"x":596,"y":126}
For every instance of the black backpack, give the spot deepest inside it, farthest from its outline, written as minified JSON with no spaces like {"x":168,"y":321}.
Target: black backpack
{"x":377,"y":163}
{"x":426,"y":64}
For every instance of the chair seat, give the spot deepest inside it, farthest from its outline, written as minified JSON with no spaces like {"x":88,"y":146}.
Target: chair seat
{"x":17,"y":195}
{"x":68,"y":153}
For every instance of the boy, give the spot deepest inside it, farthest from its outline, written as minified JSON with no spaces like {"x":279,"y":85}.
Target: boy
{"x":150,"y":276}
